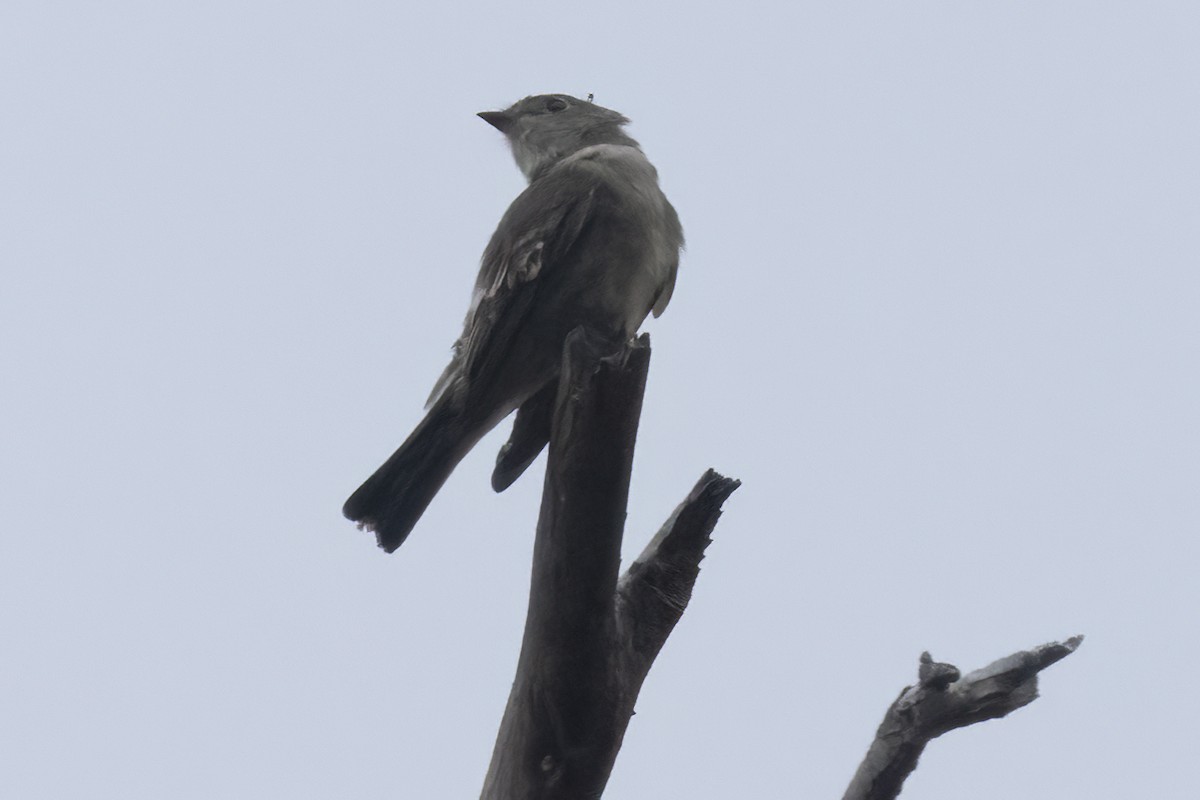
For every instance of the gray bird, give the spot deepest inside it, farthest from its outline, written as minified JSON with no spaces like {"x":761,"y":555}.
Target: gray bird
{"x":593,"y":242}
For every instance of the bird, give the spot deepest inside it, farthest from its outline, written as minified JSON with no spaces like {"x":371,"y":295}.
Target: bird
{"x":591,"y":242}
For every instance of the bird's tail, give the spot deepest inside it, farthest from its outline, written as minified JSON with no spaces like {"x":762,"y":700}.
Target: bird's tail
{"x":392,"y":500}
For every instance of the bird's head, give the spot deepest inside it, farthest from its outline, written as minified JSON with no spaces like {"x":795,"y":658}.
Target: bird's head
{"x":545,"y":128}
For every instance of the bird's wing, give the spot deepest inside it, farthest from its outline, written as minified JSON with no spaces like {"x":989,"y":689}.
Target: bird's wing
{"x":676,"y":230}
{"x":536,"y":234}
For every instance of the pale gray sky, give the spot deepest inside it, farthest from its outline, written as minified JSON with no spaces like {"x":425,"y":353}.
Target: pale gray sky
{"x":938,"y":312}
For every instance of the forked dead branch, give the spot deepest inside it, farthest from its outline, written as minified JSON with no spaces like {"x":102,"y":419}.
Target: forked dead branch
{"x":592,"y":634}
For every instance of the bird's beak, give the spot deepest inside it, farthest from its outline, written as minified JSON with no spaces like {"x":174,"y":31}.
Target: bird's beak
{"x":497,"y":119}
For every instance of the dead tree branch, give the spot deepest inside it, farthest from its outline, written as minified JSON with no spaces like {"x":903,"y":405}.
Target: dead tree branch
{"x":590,"y":638}
{"x":942,"y":701}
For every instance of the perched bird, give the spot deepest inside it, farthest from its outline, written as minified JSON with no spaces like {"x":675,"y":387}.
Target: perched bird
{"x":592,"y":242}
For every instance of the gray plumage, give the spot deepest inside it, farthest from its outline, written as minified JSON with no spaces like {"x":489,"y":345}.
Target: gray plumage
{"x":593,"y":242}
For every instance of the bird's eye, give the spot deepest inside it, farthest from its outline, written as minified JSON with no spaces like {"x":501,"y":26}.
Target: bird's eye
{"x":556,"y":104}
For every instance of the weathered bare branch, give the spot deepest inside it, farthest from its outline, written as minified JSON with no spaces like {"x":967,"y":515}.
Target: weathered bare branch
{"x":942,"y":701}
{"x":588,"y":645}
{"x":656,"y":588}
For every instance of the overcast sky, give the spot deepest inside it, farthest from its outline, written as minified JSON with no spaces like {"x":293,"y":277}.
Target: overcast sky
{"x":939,"y":311}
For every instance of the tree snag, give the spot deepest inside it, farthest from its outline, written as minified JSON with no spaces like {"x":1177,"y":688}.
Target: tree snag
{"x":591,"y":634}
{"x":591,"y":637}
